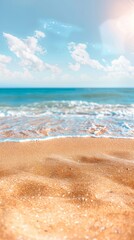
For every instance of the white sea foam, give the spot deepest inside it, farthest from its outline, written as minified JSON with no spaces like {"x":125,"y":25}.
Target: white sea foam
{"x":46,"y":120}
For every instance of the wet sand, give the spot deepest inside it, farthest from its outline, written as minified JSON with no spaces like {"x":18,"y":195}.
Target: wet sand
{"x":71,"y":188}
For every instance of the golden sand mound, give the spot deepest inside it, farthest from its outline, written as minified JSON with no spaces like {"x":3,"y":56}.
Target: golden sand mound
{"x":72,"y":188}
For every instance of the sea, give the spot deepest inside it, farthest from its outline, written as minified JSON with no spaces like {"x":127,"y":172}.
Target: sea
{"x":43,"y":113}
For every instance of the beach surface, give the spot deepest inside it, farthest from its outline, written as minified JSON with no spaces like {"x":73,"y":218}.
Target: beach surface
{"x":67,"y":188}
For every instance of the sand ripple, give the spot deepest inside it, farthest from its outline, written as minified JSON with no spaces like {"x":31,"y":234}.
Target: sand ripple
{"x":67,"y":189}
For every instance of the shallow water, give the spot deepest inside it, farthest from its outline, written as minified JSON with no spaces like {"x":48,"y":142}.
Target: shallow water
{"x":42,"y":113}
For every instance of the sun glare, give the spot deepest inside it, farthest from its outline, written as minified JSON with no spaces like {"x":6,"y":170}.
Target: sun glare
{"x":118,"y":32}
{"x":126,"y":23}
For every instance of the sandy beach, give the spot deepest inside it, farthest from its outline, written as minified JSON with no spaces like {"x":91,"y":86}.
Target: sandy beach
{"x":68,"y":188}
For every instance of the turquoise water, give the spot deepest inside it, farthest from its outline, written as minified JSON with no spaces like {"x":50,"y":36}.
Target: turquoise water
{"x":29,"y":114}
{"x":16,"y":97}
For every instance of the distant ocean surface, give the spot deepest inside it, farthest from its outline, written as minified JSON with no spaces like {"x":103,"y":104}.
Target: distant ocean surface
{"x":32,"y":114}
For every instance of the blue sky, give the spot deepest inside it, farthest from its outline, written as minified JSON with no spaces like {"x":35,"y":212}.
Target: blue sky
{"x":67,"y":43}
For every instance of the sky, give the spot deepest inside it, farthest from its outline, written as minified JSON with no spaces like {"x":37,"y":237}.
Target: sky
{"x":66,"y":43}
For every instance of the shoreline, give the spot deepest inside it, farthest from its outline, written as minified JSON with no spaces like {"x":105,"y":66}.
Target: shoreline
{"x":67,"y":188}
{"x":64,"y":137}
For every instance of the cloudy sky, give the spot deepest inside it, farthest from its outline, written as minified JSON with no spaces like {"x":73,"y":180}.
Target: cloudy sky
{"x":67,"y":43}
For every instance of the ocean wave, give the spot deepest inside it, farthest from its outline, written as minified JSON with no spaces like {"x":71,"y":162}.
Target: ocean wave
{"x":66,"y":107}
{"x":66,"y":118}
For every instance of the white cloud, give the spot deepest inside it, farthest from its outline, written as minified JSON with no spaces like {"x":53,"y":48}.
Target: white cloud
{"x":23,"y":77}
{"x":81,"y":56}
{"x":74,"y":67}
{"x":119,"y":68}
{"x":31,"y":44}
{"x":4,"y":59}
{"x":27,"y":51}
{"x":59,"y":28}
{"x":122,"y":64}
{"x":6,"y":73}
{"x":39,"y":34}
